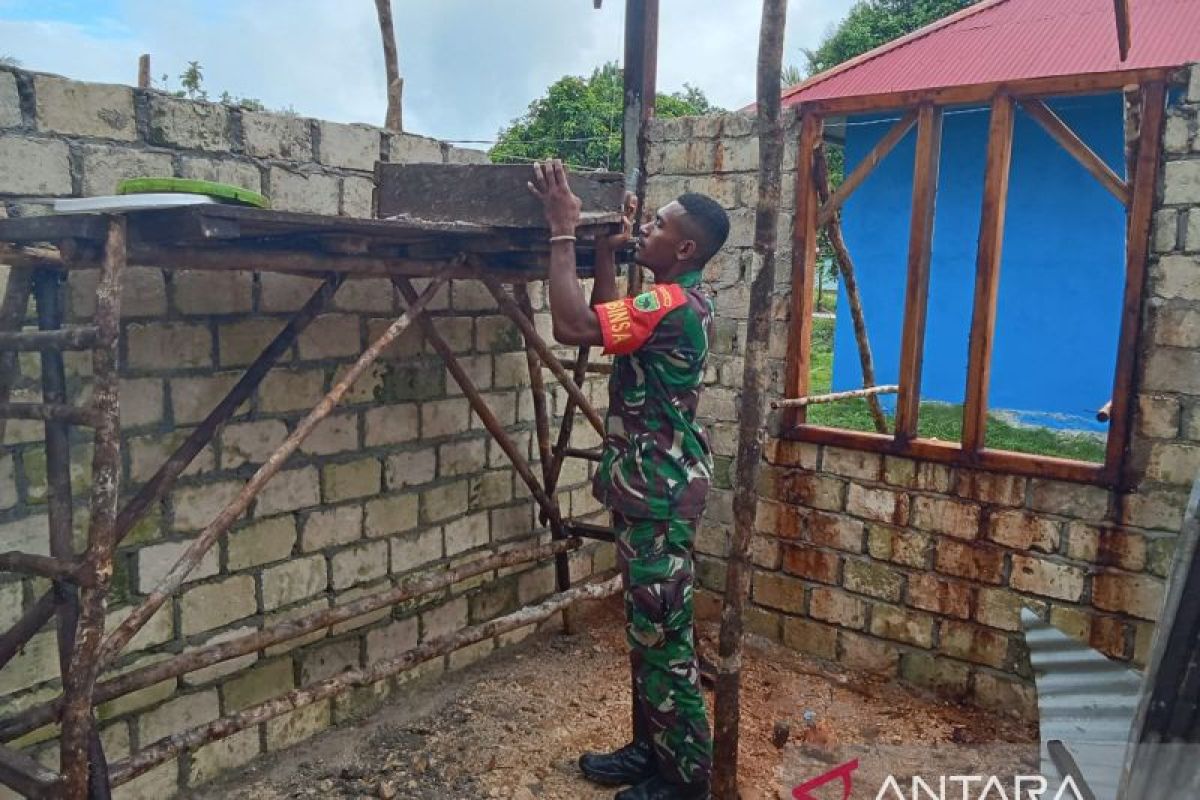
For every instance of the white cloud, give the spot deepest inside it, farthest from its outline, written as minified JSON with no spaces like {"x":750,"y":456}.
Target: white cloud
{"x":470,"y":66}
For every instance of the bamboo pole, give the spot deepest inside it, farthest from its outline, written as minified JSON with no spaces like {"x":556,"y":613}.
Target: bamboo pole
{"x":850,"y":281}
{"x":192,"y":660}
{"x":816,"y":399}
{"x":170,"y":746}
{"x":727,"y":714}
{"x":219,"y":526}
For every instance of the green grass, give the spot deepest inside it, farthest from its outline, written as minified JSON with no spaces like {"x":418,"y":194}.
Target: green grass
{"x":942,"y":421}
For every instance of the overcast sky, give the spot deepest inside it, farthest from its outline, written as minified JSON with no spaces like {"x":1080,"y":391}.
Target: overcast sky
{"x":470,"y":66}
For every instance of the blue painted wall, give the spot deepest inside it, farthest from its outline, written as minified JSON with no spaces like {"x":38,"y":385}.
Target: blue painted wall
{"x":1062,"y":273}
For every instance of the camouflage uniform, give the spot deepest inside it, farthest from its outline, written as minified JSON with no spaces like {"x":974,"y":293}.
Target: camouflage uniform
{"x":654,"y":474}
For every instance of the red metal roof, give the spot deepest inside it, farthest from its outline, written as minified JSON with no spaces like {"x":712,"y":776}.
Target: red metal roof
{"x":1007,"y":40}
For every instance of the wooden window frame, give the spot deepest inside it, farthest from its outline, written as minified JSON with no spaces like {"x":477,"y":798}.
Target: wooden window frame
{"x":924,"y":110}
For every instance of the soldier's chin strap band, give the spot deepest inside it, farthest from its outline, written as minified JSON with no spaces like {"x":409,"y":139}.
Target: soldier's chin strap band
{"x":628,"y":323}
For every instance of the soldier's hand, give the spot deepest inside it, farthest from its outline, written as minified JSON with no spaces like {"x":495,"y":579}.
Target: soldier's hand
{"x":559,"y":204}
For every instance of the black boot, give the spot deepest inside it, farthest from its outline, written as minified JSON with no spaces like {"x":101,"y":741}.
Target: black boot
{"x":659,"y":788}
{"x":632,"y":764}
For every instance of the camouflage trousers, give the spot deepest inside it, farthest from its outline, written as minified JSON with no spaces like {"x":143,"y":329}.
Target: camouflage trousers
{"x":656,"y":564}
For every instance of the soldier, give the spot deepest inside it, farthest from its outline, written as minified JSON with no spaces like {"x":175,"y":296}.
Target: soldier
{"x":655,"y":469}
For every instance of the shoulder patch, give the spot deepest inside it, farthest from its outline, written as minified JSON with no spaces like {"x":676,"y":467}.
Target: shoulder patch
{"x":627,"y":324}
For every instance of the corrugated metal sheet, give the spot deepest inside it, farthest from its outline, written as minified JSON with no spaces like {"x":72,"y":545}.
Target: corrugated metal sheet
{"x":1085,"y":700}
{"x":1010,"y":40}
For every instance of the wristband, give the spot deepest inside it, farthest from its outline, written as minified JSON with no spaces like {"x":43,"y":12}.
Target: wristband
{"x":564,"y":238}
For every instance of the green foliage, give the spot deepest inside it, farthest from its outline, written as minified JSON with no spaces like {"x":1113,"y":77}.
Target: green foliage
{"x":872,"y":23}
{"x":192,"y":81}
{"x":579,"y":121}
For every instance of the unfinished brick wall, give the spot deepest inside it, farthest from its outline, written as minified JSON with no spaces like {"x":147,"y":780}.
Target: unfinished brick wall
{"x":402,"y":477}
{"x":918,"y":570}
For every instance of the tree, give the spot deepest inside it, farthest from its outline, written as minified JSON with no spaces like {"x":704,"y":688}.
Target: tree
{"x":579,"y":121}
{"x":872,"y":23}
{"x":9,"y":61}
{"x":192,"y":81}
{"x":394,"y":119}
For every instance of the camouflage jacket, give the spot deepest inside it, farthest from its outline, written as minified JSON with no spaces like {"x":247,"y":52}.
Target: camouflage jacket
{"x":656,"y":462}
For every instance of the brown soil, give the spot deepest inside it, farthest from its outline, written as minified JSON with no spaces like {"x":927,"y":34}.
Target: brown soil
{"x":513,"y":725}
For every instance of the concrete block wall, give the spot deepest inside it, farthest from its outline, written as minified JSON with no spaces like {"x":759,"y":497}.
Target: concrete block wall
{"x":401,"y":478}
{"x":918,"y":570}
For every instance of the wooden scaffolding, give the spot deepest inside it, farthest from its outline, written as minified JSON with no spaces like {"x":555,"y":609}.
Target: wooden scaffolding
{"x":218,"y":237}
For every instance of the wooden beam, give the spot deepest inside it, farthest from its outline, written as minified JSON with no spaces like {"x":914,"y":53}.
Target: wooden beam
{"x":987,"y":273}
{"x":865,"y":167}
{"x":1070,"y":141}
{"x":1124,"y":27}
{"x":1141,"y":212}
{"x":952,"y":453}
{"x":1094,"y":83}
{"x":640,"y":95}
{"x":804,"y":260}
{"x":926,"y":169}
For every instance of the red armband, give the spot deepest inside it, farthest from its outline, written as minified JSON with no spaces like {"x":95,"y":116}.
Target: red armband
{"x":628,"y":323}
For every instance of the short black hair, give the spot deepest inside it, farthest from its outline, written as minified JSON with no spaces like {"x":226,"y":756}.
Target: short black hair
{"x":706,"y":221}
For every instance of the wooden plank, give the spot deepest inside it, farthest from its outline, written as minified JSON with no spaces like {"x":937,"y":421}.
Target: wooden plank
{"x":804,"y":260}
{"x":52,"y":228}
{"x":484,"y":194}
{"x":1070,"y":141}
{"x":1124,"y":27}
{"x":865,"y":167}
{"x":1092,"y":83}
{"x":987,"y":273}
{"x":926,"y":170}
{"x":1140,"y":217}
{"x":952,"y":453}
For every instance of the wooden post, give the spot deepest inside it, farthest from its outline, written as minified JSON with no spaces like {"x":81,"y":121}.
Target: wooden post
{"x":920,"y":251}
{"x":853,"y":297}
{"x":1137,"y":243}
{"x":641,"y":87}
{"x":987,"y":273}
{"x":48,"y":294}
{"x":394,"y":118}
{"x":78,"y":724}
{"x":804,"y":260}
{"x":537,"y":389}
{"x":727,"y":713}
{"x":144,"y":80}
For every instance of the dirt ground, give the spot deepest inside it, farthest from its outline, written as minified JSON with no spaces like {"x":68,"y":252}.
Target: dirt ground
{"x":513,"y":725}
